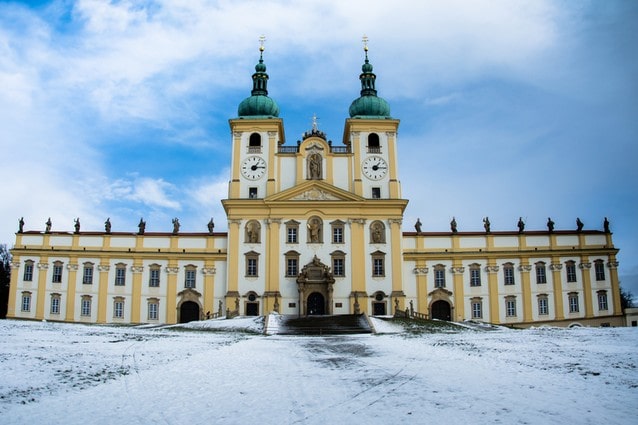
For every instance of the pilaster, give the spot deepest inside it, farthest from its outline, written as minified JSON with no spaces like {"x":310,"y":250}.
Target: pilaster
{"x":136,"y":294}
{"x":43,"y":267}
{"x":585,"y":267}
{"x":556,"y":267}
{"x":525,"y":268}
{"x":103,"y":289}
{"x":457,"y":275}
{"x":492,"y":281}
{"x":171,"y":291}
{"x":70,"y":289}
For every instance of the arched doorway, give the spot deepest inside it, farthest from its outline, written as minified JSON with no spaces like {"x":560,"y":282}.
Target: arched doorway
{"x":189,"y":312}
{"x":316,"y":304}
{"x":252,"y":305}
{"x":441,"y":310}
{"x":379,"y":305}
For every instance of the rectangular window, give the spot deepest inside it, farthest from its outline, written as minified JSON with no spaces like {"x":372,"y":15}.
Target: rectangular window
{"x":154,"y":278}
{"x":543,"y":308}
{"x":87,"y":275}
{"x":55,"y":305}
{"x":378,"y":267}
{"x":28,"y":272}
{"x":153,"y":309}
{"x":26,"y":302}
{"x":570,"y":268}
{"x":602,"y":301}
{"x":541,"y":275}
{"x":86,"y":307}
{"x":189,"y":281}
{"x":477,"y":310}
{"x":599,"y":268}
{"x":252,"y":192}
{"x":57,"y":273}
{"x":337,"y":267}
{"x":439,"y":278}
{"x":475,"y":277}
{"x":573,"y":303}
{"x":291,"y":235}
{"x":120,"y":276}
{"x":251,"y":267}
{"x":509,"y":275}
{"x":376,"y":193}
{"x":118,"y":309}
{"x":291,"y":267}
{"x":337,"y":234}
{"x":510,"y":307}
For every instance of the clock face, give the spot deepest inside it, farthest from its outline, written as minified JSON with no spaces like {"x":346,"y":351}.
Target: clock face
{"x":253,"y":167}
{"x":374,"y":167}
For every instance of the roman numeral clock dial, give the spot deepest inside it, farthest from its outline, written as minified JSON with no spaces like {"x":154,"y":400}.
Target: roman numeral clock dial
{"x":374,"y":167}
{"x":253,"y":167}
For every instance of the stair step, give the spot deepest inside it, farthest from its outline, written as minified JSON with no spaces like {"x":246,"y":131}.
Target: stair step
{"x":324,"y":325}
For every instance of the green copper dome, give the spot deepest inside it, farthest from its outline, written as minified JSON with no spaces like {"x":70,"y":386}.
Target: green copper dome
{"x":369,"y":105}
{"x":259,"y":104}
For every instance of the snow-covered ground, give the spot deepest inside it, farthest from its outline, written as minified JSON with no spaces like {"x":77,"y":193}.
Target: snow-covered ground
{"x":223,"y":372}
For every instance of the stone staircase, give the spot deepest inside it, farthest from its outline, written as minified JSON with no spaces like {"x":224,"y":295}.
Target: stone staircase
{"x":324,"y":325}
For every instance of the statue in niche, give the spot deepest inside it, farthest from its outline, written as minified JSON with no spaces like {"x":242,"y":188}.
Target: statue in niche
{"x":237,"y":304}
{"x":417,"y":225}
{"x":107,"y":225}
{"x":21,"y":225}
{"x":377,"y":233}
{"x":76,"y":225}
{"x":141,"y":226}
{"x":606,"y":225}
{"x":579,"y":225}
{"x":48,"y":224}
{"x":211,"y":226}
{"x":521,"y":225}
{"x":314,"y":167}
{"x":219,"y":308}
{"x":252,"y":232}
{"x":486,"y":224}
{"x":314,"y":230}
{"x":176,"y":225}
{"x":453,"y":225}
{"x":550,"y":224}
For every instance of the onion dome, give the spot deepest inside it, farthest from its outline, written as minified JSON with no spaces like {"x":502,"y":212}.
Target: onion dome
{"x":259,"y":104}
{"x":369,"y":105}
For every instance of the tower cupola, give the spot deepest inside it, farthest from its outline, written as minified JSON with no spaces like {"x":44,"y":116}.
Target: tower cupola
{"x":368,"y":105}
{"x":259,"y":104}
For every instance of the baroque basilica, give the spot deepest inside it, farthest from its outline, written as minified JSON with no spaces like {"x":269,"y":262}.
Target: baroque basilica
{"x":316,"y":229}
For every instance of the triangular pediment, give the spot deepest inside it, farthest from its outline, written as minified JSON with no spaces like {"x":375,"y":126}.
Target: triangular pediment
{"x":316,"y":191}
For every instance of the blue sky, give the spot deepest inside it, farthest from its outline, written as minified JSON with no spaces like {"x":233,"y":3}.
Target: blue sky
{"x":508,"y":108}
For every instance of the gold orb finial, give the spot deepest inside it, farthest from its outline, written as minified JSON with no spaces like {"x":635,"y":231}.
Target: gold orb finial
{"x":365,"y":42}
{"x":262,"y":39}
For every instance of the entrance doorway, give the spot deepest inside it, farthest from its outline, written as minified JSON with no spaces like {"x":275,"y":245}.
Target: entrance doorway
{"x":441,"y":310}
{"x":188,"y":312}
{"x":316,"y":304}
{"x":252,"y":309}
{"x":378,"y":309}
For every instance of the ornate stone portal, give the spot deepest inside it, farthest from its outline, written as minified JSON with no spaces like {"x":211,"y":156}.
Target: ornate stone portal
{"x":314,"y":285}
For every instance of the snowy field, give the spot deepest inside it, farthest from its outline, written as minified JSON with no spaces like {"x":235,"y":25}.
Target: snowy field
{"x":54,"y":373}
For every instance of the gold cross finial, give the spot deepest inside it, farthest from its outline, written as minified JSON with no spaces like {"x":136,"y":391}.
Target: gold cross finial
{"x":262,"y":39}
{"x":365,"y":42}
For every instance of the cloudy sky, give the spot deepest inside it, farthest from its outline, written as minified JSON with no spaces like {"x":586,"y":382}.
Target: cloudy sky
{"x":508,"y":108}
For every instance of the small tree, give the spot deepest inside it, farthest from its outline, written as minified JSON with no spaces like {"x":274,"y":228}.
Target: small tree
{"x":5,"y":279}
{"x":626,"y":299}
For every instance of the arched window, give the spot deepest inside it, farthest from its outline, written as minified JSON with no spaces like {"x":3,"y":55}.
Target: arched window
{"x":154,"y":276}
{"x":292,"y":263}
{"x":373,"y":143}
{"x":508,"y":273}
{"x":475,"y":274}
{"x":439,"y":276}
{"x":190,"y":275}
{"x":28,"y":271}
{"x":254,"y":143}
{"x":541,"y":272}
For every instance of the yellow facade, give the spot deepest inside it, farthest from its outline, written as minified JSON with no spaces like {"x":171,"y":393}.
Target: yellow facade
{"x":316,"y":229}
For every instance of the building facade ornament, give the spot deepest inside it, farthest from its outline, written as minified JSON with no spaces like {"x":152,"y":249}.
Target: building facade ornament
{"x":491,"y":269}
{"x":43,"y":266}
{"x":14,"y":265}
{"x":361,"y":221}
{"x":525,"y":268}
{"x":315,"y":194}
{"x":137,"y":269}
{"x":556,"y":266}
{"x":172,"y":270}
{"x":457,"y":270}
{"x":420,"y":270}
{"x":395,"y":221}
{"x":584,"y":266}
{"x":208,"y":270}
{"x":72,"y":267}
{"x":612,"y":264}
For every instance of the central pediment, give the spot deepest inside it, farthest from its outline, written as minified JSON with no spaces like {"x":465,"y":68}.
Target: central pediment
{"x":314,"y":190}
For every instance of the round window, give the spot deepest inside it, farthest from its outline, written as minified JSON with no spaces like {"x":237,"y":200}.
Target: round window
{"x":252,"y":297}
{"x":379,"y":297}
